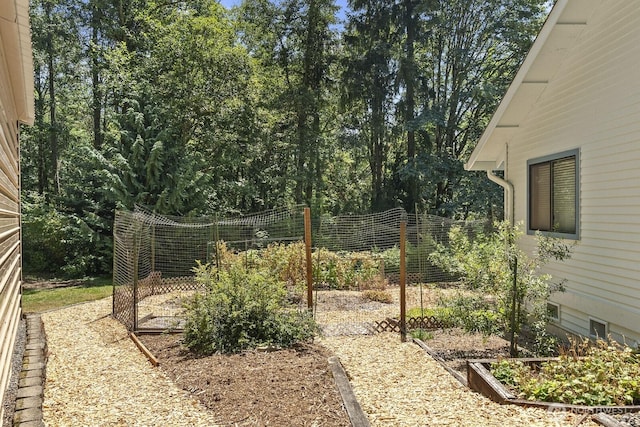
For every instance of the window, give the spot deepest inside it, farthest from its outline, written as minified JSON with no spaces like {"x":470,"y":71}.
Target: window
{"x":553,"y":194}
{"x":553,"y":311}
{"x":597,"y":328}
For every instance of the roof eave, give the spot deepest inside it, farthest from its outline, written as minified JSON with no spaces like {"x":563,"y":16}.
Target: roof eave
{"x":552,"y":19}
{"x":16,"y":41}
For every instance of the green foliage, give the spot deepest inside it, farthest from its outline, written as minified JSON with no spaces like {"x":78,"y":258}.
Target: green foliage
{"x":606,"y":375}
{"x":473,"y":313}
{"x":61,"y":243}
{"x":187,"y":108}
{"x":355,"y":270}
{"x":445,"y":315}
{"x":486,"y":263}
{"x":242,"y":310}
{"x":421,"y":334}
{"x":391,"y":259}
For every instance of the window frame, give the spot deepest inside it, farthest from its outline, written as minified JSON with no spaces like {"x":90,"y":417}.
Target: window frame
{"x":556,"y":306}
{"x":592,"y":321}
{"x":550,"y":159}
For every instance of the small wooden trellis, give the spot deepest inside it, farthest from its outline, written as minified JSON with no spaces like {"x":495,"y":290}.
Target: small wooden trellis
{"x":394,"y":325}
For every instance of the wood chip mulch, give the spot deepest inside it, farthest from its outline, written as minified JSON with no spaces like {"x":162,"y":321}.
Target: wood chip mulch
{"x":284,"y":387}
{"x":97,"y":377}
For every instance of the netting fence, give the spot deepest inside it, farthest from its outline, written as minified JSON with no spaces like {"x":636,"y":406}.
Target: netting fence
{"x":370,"y":245}
{"x":356,"y":262}
{"x":155,"y":257}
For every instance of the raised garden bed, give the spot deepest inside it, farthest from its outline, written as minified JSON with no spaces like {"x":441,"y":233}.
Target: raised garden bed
{"x":480,"y":379}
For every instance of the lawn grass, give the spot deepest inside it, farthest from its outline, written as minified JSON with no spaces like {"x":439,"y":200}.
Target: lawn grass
{"x":39,"y":300}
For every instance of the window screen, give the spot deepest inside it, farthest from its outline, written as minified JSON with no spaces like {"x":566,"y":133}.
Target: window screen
{"x":553,"y":194}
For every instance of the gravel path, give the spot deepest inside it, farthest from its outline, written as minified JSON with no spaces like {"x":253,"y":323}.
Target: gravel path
{"x":97,"y":377}
{"x":398,"y":384}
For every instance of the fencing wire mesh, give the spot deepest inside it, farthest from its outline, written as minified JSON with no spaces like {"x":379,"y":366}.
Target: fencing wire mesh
{"x":155,"y":257}
{"x":355,"y":262}
{"x":357,"y":267}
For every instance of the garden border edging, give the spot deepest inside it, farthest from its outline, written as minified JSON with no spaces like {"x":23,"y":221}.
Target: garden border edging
{"x":482,"y":381}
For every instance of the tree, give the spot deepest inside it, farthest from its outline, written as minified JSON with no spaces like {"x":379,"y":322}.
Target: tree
{"x":474,"y":50}
{"x":368,"y":95}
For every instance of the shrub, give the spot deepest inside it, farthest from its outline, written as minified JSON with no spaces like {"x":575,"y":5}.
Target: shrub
{"x":242,"y":310}
{"x":288,"y":263}
{"x":470,"y":312}
{"x":495,"y":265}
{"x":444,"y":315}
{"x":63,"y":243}
{"x":346,"y":270}
{"x":378,"y":295}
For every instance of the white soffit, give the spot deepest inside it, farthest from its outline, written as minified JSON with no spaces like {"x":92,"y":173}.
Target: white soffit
{"x":15,"y":36}
{"x":566,"y":21}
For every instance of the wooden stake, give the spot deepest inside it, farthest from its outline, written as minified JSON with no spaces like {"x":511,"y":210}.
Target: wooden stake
{"x":403,"y":282}
{"x":307,"y":242}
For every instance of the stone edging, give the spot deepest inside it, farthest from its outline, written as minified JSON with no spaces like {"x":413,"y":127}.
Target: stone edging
{"x":30,"y":395}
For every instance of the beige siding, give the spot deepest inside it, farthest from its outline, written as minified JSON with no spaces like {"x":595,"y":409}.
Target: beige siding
{"x":10,"y":263}
{"x":593,"y":104}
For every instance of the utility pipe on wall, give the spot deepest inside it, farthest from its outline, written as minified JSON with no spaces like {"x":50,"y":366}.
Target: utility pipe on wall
{"x":508,"y":195}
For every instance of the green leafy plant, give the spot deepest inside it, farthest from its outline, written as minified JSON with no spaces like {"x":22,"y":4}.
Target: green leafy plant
{"x":469,"y":312}
{"x":494,"y":264}
{"x":606,"y":374}
{"x":341,"y":270}
{"x":241,"y":310}
{"x":421,"y":334}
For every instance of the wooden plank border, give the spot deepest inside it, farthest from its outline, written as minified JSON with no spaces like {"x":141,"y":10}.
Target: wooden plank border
{"x":356,"y":414}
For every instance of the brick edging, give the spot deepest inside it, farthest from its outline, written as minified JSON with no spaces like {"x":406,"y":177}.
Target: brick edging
{"x":30,"y":395}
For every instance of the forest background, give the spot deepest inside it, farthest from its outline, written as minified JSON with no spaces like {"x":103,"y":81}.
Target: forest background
{"x":189,"y":108}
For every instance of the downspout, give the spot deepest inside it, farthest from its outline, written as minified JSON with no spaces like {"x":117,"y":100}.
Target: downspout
{"x":508,"y":195}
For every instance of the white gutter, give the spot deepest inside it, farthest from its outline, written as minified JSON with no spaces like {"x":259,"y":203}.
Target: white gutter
{"x":508,"y":195}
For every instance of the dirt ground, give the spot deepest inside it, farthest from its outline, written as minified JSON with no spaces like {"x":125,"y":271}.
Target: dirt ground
{"x":456,"y":346}
{"x":258,"y":388}
{"x":288,"y":387}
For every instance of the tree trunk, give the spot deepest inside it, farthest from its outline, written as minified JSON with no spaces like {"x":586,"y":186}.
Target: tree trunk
{"x":95,"y":78}
{"x":53,"y":131}
{"x":410,"y":102}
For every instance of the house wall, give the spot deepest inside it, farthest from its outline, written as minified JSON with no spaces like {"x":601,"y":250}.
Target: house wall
{"x":16,"y":105}
{"x":10,"y":261}
{"x":593,"y":104}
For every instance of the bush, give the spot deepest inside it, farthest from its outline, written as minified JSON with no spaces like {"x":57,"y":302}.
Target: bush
{"x":444,"y":315}
{"x":288,"y":263}
{"x":242,"y":310}
{"x":469,"y":312}
{"x":358,"y":270}
{"x":378,"y":295}
{"x":63,"y":243}
{"x":494,"y":264}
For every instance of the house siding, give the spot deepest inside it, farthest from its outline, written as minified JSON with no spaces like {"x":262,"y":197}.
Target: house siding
{"x":593,"y":104}
{"x":10,"y":261}
{"x":11,"y":94}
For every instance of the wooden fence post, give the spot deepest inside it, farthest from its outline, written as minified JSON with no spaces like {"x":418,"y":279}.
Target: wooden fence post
{"x":403,"y":282}
{"x":307,"y":243}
